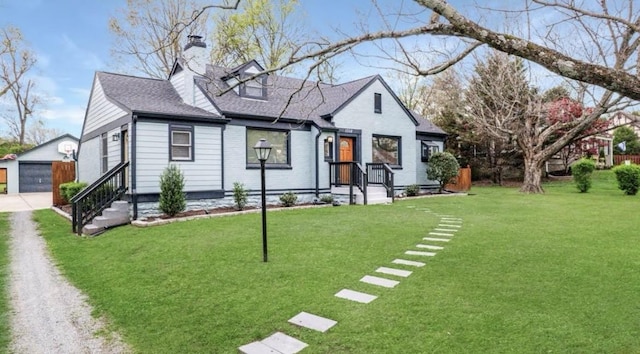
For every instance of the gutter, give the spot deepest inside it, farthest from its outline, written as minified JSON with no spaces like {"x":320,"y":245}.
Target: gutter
{"x":318,"y":163}
{"x":134,"y":193}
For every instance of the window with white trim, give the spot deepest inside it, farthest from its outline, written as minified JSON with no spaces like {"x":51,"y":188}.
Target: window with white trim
{"x":181,"y":143}
{"x":104,"y":153}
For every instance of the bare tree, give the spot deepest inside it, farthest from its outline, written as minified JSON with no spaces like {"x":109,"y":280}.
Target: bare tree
{"x":38,"y":132}
{"x":14,"y":66}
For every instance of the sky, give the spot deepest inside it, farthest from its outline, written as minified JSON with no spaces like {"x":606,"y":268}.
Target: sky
{"x":71,"y":41}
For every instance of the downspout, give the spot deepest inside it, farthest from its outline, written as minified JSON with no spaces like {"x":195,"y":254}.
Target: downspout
{"x":318,"y":164}
{"x":134,"y":193}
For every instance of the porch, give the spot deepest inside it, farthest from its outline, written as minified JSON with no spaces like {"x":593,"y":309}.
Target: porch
{"x":369,"y":184}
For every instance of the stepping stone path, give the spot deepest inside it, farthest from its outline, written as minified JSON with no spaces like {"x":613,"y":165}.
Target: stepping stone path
{"x":280,"y":343}
{"x":387,"y":283}
{"x":355,"y":296}
{"x":409,"y":263}
{"x":316,"y":323}
{"x":393,"y":271}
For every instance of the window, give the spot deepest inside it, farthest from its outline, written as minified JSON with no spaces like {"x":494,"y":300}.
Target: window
{"x":255,"y":88}
{"x":386,"y":149}
{"x":279,"y":140}
{"x":104,"y":154}
{"x":428,"y":148}
{"x":377,"y":103}
{"x":328,"y":149}
{"x":181,"y":143}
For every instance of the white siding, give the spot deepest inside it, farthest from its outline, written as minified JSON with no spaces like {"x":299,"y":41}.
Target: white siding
{"x":393,"y":121}
{"x":178,"y":82}
{"x":100,"y":111}
{"x":89,"y":161}
{"x":201,"y":101}
{"x":113,"y":149}
{"x":300,"y":176}
{"x":152,"y":157}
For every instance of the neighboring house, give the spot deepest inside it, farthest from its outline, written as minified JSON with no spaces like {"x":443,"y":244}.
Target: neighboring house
{"x":197,"y":121}
{"x":632,"y":121}
{"x":30,"y":171}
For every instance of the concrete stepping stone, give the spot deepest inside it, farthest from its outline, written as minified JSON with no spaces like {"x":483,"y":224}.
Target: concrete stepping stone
{"x":257,"y":348}
{"x":420,"y":253}
{"x":436,"y":239}
{"x":393,"y":271}
{"x":446,"y":230}
{"x":283,"y":343}
{"x":411,"y":206}
{"x":448,"y":225}
{"x":452,"y":219}
{"x":311,"y":321}
{"x":444,"y":216}
{"x":387,"y":283}
{"x":429,"y":247}
{"x":409,"y":263}
{"x":355,"y":296}
{"x":440,"y":234}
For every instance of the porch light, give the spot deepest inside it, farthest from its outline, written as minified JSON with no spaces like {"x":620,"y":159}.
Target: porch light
{"x":115,"y":137}
{"x":262,"y":149}
{"x":329,"y":139}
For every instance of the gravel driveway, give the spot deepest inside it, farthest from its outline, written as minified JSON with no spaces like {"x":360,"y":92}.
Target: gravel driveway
{"x":49,"y":315}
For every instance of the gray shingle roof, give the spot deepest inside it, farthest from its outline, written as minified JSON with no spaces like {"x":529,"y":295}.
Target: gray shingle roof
{"x":147,"y":95}
{"x":425,"y":125}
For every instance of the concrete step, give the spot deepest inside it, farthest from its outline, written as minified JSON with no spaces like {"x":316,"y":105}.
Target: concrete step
{"x":91,"y":229}
{"x":105,"y":222}
{"x":114,"y":213}
{"x":121,"y":205}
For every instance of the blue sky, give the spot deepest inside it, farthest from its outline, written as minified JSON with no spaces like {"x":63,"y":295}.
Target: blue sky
{"x":72,"y":41}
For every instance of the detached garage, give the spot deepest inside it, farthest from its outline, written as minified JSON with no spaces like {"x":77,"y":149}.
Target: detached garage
{"x":31,"y":171}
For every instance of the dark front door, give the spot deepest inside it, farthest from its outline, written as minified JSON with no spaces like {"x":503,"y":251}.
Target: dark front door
{"x":34,"y":177}
{"x":347,"y":148}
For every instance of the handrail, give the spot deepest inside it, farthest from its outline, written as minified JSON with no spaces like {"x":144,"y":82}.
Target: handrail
{"x":361,"y":181}
{"x":92,"y":200}
{"x":343,"y":173}
{"x":382,"y":174}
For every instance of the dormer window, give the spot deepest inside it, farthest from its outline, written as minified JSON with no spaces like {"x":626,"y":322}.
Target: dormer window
{"x":256,"y":88}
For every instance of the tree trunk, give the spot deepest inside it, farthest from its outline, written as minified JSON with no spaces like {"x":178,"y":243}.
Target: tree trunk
{"x":532,"y":176}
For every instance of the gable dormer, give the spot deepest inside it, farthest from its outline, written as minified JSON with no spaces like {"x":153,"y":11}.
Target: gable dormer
{"x":255,"y":88}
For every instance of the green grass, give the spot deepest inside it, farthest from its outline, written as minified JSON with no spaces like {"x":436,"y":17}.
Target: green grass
{"x":5,"y":333}
{"x":527,"y":274}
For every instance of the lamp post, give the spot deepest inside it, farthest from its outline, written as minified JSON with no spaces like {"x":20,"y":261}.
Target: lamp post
{"x":263,"y":149}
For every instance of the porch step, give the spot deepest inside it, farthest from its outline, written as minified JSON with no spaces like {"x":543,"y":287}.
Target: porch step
{"x":121,"y":205}
{"x":104,"y":222}
{"x":115,"y":213}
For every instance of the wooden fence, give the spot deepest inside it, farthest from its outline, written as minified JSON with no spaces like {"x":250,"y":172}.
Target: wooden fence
{"x":462,"y":182}
{"x":620,"y":159}
{"x":61,"y":172}
{"x":3,"y":180}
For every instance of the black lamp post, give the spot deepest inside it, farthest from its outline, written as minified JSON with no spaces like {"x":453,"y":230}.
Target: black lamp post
{"x":263,"y":149}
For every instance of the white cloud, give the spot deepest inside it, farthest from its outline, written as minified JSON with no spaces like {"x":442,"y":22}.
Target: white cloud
{"x":64,"y":114}
{"x":88,"y":59}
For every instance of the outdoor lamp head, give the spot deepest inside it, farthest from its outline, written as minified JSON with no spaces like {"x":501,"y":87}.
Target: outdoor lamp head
{"x":263,"y":149}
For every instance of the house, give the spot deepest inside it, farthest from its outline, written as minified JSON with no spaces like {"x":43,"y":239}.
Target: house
{"x":207,"y":119}
{"x":30,"y":171}
{"x":621,"y":118}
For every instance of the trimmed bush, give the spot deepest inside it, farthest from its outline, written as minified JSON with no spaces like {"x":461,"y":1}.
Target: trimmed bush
{"x":326,"y":198}
{"x":442,"y":167}
{"x":70,"y":189}
{"x":172,"y":198}
{"x":412,"y":190}
{"x":239,"y":195}
{"x":628,"y":177}
{"x":582,"y":170}
{"x":288,"y":199}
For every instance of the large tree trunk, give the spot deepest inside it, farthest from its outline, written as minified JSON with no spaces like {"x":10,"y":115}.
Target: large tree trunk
{"x":532,"y":175}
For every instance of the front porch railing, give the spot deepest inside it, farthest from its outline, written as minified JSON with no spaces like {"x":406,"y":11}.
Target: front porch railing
{"x":348,"y":173}
{"x":98,"y":196}
{"x":382,"y":174}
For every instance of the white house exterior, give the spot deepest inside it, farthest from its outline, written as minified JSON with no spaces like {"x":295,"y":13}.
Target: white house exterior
{"x":195,"y":120}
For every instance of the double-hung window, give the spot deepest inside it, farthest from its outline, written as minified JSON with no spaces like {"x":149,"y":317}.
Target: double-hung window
{"x":104,"y":153}
{"x":181,"y":143}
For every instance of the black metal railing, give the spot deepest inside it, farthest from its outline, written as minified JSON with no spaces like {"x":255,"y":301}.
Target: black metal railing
{"x":348,"y":174}
{"x":98,"y":196}
{"x":381,"y":174}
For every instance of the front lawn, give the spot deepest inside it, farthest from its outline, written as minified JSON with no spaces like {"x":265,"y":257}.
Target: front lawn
{"x":5,"y":319}
{"x":526,"y":273}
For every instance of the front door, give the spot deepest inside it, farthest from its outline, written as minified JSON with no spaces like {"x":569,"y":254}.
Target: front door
{"x":347,"y":148}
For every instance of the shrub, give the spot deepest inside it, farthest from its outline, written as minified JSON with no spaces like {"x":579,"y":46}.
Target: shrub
{"x":412,"y":190}
{"x":288,"y":199}
{"x":327,"y":198}
{"x":582,"y":170}
{"x":239,"y":195}
{"x":628,"y":177}
{"x":442,"y":167}
{"x":70,"y":189}
{"x":172,"y":198}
